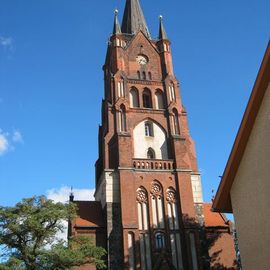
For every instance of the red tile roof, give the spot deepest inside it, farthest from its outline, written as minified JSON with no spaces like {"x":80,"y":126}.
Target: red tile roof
{"x":89,"y":214}
{"x":213,"y":219}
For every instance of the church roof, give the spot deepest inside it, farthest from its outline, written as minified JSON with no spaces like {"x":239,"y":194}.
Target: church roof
{"x":133,"y":19}
{"x":222,"y":200}
{"x":89,"y":214}
{"x":212,"y":219}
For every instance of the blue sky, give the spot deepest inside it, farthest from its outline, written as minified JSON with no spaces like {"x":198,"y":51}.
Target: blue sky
{"x":51,"y":83}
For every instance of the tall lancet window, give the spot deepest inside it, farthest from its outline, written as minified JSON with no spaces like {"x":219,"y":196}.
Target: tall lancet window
{"x":172,"y":92}
{"x":147,"y":99}
{"x":175,"y":238}
{"x":131,"y":251}
{"x":157,"y":205}
{"x":159,"y":100}
{"x":145,"y":251}
{"x":176,"y":122}
{"x":122,"y":119}
{"x":120,"y":88}
{"x":134,"y":98}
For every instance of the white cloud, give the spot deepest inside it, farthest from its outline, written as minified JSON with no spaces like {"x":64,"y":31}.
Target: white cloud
{"x":4,"y":144}
{"x":8,"y":140}
{"x":62,"y":195}
{"x":17,"y":137}
{"x":6,"y":42}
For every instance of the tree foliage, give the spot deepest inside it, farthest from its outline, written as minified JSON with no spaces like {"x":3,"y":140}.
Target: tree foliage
{"x":28,"y":238}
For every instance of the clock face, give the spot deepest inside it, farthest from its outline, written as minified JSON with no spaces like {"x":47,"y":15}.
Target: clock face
{"x":142,"y":59}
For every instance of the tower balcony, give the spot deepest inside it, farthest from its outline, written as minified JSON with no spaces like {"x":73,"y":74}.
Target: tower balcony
{"x":153,"y":164}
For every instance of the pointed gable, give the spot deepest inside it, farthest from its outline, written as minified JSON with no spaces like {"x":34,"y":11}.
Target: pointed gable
{"x":141,"y":45}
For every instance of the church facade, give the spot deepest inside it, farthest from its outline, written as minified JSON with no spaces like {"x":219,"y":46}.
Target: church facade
{"x":149,"y":211}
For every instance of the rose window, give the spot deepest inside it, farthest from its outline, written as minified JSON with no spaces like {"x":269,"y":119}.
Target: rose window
{"x":171,"y":196}
{"x":141,"y":196}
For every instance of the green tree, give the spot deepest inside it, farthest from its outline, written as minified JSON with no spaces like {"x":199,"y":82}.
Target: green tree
{"x":28,"y":238}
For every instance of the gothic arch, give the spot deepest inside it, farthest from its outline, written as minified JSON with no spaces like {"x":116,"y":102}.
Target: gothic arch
{"x":157,"y":203}
{"x":159,"y":99}
{"x":142,"y":141}
{"x":147,"y":98}
{"x":153,"y":121}
{"x":134,"y":97}
{"x":156,"y":188}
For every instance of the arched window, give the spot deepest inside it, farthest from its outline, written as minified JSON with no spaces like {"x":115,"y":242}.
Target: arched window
{"x":131,"y":251}
{"x":174,"y":228}
{"x":139,"y":74}
{"x":144,"y":240}
{"x":151,"y":153}
{"x":172,"y":92}
{"x":134,"y":98}
{"x":144,"y":75}
{"x":147,"y":99}
{"x":122,"y":119}
{"x":157,"y":205}
{"x":120,"y":88}
{"x":142,"y":201}
{"x":148,"y":127}
{"x":160,"y":240}
{"x":176,"y":122}
{"x":159,"y":100}
{"x":150,"y":76}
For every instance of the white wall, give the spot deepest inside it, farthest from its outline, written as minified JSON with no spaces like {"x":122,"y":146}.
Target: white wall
{"x":197,"y":188}
{"x":142,"y":143}
{"x":250,"y":194}
{"x":109,"y":188}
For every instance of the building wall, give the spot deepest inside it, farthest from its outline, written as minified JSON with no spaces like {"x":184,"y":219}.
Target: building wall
{"x":250,"y":194}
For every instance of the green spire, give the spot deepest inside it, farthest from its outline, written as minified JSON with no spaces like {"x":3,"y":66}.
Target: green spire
{"x":162,"y":32}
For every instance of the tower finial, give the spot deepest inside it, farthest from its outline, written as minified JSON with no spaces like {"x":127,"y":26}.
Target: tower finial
{"x":133,"y":19}
{"x":71,"y":195}
{"x":116,"y":26}
{"x":162,"y":32}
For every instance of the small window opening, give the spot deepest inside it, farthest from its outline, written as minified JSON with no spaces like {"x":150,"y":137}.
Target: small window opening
{"x":149,"y":129}
{"x":144,"y":75}
{"x":151,"y":154}
{"x":147,"y":99}
{"x":160,"y":241}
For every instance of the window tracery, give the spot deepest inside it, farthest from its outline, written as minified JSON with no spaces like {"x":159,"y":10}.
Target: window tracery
{"x":157,"y":205}
{"x":175,"y":238}
{"x":144,"y":239}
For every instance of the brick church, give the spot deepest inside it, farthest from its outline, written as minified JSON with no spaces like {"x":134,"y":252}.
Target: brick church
{"x":148,"y":211}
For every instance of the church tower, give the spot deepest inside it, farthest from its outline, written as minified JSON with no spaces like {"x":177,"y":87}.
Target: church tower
{"x":148,"y":211}
{"x":147,"y":178}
